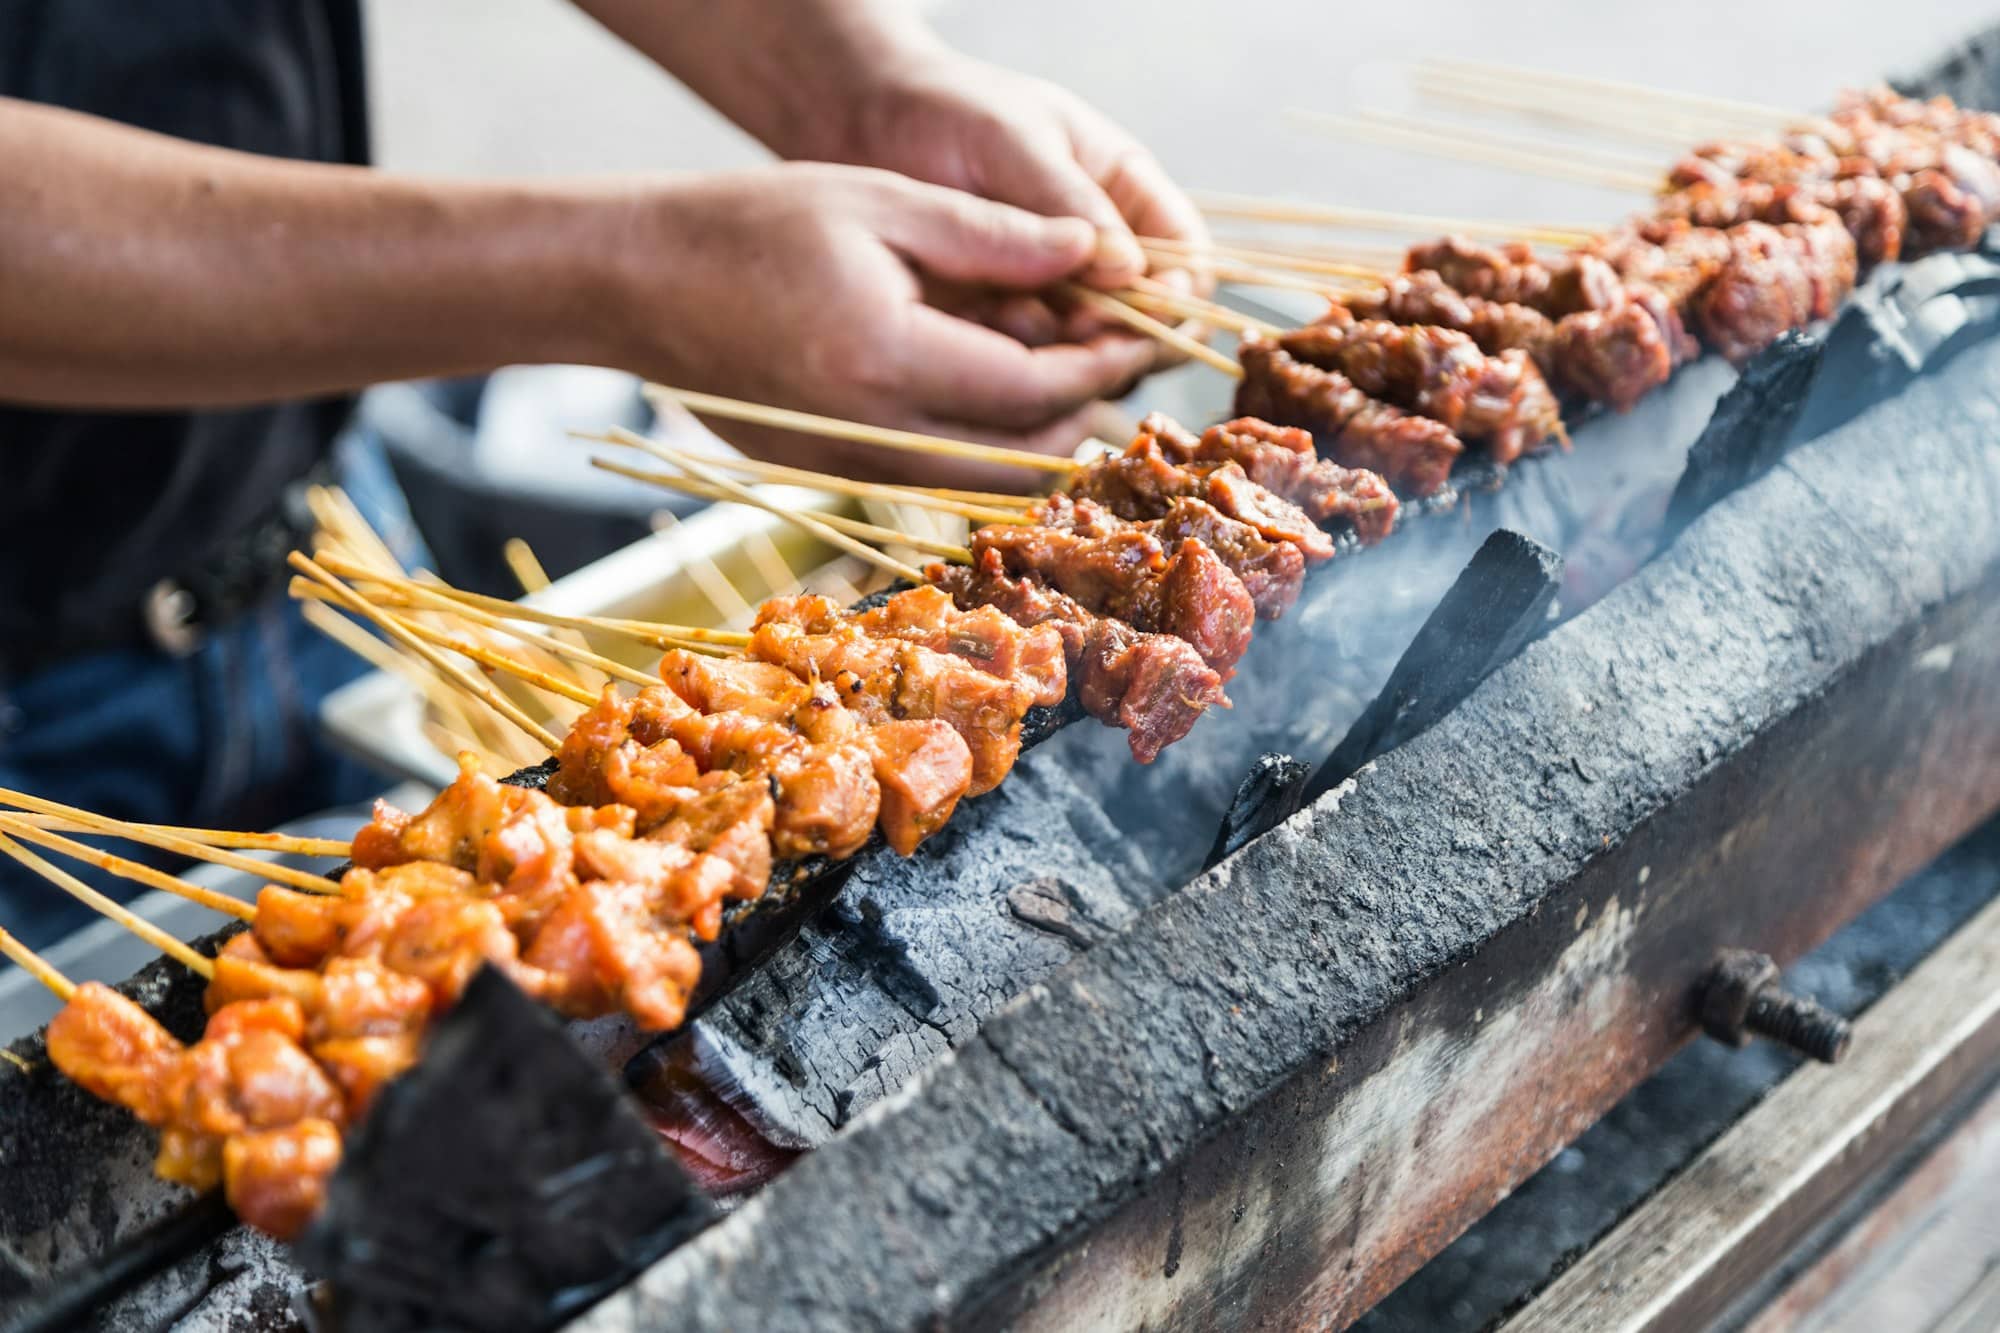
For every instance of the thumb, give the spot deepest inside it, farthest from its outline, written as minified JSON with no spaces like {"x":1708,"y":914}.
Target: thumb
{"x":1055,"y":183}
{"x":962,"y":238}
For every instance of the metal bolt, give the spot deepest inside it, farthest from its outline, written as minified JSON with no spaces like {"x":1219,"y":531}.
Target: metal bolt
{"x":1743,"y":996}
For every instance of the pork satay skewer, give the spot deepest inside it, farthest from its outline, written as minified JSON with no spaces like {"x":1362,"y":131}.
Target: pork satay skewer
{"x":96,"y":823}
{"x":1140,"y":322}
{"x":473,"y":686}
{"x":138,"y":925}
{"x":20,"y":827}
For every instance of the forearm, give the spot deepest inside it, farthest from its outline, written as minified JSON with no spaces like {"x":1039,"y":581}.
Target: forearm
{"x":142,"y":271}
{"x":793,"y":73}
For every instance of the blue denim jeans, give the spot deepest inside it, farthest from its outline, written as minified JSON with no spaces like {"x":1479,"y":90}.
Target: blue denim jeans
{"x":226,"y":736}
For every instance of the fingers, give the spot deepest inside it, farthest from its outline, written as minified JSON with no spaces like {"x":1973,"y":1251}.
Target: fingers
{"x":954,"y":367}
{"x":1046,"y":177}
{"x":962,"y":238}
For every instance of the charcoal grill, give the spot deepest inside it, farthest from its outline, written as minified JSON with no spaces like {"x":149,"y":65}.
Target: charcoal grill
{"x":1266,"y":1097}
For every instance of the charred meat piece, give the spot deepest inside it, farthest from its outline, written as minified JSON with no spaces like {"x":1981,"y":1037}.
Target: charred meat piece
{"x":1873,"y":211}
{"x":981,"y":635}
{"x":1272,"y":572}
{"x":1155,"y":686}
{"x":1670,"y":255}
{"x":1413,"y":454}
{"x":1283,"y":461}
{"x":1124,"y":571}
{"x":1424,"y":297}
{"x":889,"y":680}
{"x":1511,"y":274}
{"x":1616,"y":356}
{"x":1438,"y":373}
{"x":1777,"y":278}
{"x":1143,"y":483}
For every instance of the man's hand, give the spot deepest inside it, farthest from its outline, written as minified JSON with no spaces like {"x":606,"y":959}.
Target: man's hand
{"x":976,"y":127}
{"x":865,"y":82}
{"x":804,"y":286}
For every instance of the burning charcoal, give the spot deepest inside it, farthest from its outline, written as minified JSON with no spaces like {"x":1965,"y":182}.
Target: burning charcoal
{"x":914,"y":954}
{"x":1270,"y":795}
{"x":503,"y":1184}
{"x":1499,"y":603}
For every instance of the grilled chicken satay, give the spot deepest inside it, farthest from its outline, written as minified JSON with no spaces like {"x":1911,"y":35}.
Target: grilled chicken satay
{"x":246,"y":1107}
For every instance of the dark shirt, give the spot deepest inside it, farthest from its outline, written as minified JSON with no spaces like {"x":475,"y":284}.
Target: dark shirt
{"x":96,"y":507}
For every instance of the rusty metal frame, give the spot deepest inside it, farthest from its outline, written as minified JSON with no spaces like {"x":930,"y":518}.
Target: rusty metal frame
{"x":1740,"y":1207}
{"x":1294,"y":1081}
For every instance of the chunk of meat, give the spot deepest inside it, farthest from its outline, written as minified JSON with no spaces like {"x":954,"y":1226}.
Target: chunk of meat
{"x":603,"y":951}
{"x":114,"y":1050}
{"x":275,"y":1179}
{"x":922,"y":768}
{"x":1413,"y":454}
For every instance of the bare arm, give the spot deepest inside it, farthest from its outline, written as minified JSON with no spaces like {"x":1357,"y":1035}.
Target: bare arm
{"x":141,"y":270}
{"x":866,"y":82}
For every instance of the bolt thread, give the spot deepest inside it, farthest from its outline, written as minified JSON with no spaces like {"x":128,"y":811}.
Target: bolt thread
{"x":1808,"y":1028}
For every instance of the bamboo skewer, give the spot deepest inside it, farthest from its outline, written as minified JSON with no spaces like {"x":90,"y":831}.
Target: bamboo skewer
{"x":215,"y":837}
{"x":533,"y":578}
{"x":21,"y":828}
{"x":36,"y":966}
{"x":451,"y":716}
{"x":1156,"y":297}
{"x":472,"y":685}
{"x":1279,"y":259}
{"x":810,"y":424}
{"x":824,"y":481}
{"x":1669,"y":134}
{"x":657,"y":636}
{"x":1254,"y":209}
{"x":778,"y":576}
{"x":722,"y":596}
{"x":1140,"y":322}
{"x":1620,"y":92}
{"x":521,"y":561}
{"x":411,"y":594}
{"x":138,"y":925}
{"x":1608,"y":159}
{"x":744,"y":495}
{"x":498,"y":661}
{"x":250,"y":865}
{"x":1452,"y":145}
{"x":853,"y":527}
